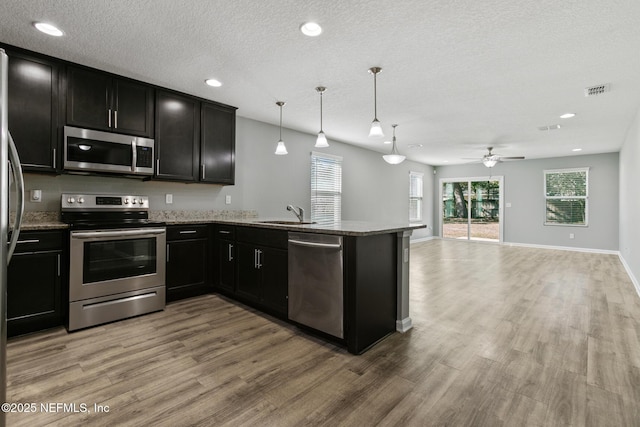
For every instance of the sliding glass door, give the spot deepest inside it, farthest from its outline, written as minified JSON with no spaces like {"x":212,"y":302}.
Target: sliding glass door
{"x":471,"y":208}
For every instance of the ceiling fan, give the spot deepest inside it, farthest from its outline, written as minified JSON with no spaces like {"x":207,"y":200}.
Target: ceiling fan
{"x":490,"y":159}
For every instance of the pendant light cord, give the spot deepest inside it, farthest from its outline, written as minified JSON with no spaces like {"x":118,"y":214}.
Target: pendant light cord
{"x":281,"y":123}
{"x":375,"y":96}
{"x":320,"y":111}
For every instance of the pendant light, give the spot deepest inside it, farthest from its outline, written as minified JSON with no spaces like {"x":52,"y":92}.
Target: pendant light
{"x":394,"y":158}
{"x":321,"y":142}
{"x":376,"y":128}
{"x":281,"y":150}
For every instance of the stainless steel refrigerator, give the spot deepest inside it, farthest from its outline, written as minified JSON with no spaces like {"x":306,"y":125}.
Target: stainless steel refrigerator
{"x":9,"y":165}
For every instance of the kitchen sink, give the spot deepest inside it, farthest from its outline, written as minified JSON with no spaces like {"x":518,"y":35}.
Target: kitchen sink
{"x":287,"y":222}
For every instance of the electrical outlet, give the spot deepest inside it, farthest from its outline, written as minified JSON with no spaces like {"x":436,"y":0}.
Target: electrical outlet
{"x":168,"y":199}
{"x":571,"y":235}
{"x":36,"y":196}
{"x":227,"y":199}
{"x":508,"y":205}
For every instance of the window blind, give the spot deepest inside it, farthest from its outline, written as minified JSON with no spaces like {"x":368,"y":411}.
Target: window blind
{"x":326,"y":188}
{"x":566,"y":192}
{"x":415,"y":196}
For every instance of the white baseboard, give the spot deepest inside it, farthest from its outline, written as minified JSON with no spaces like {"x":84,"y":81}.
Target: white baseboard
{"x":630,"y":273}
{"x":563,"y":248}
{"x":423,"y":239}
{"x":404,"y":325}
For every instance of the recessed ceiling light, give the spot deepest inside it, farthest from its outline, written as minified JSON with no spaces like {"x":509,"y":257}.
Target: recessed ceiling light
{"x":48,"y":29}
{"x":311,"y":29}
{"x":415,"y":146}
{"x":567,"y":115}
{"x":387,"y":142}
{"x":213,"y":82}
{"x":577,"y":149}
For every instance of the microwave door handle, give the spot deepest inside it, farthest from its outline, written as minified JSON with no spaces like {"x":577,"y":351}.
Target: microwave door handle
{"x":134,"y":156}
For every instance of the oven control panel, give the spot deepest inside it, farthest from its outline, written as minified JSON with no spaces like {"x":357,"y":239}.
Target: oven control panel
{"x":103,"y":202}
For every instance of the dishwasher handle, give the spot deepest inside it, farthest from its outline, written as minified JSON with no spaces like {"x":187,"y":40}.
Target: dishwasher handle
{"x":315,"y":244}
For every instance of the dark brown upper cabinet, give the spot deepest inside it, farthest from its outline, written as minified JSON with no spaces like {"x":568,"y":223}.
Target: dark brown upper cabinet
{"x":101,"y":101}
{"x":177,"y":137}
{"x":217,"y":144}
{"x":34,"y":111}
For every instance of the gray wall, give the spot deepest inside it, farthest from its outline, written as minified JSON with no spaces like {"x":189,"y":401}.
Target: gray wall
{"x":372,"y":189}
{"x":523,"y":188}
{"x":629,"y":199}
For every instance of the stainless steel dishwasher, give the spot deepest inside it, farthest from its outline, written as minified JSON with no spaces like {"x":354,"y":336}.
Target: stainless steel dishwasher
{"x":315,"y":282}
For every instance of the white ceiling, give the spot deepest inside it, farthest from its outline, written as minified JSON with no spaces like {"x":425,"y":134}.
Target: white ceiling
{"x":458,"y":76}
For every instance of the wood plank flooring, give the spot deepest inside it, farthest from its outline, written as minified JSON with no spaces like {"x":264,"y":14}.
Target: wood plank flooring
{"x":503,"y":336}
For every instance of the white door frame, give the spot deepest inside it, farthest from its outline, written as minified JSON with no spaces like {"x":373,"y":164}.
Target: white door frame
{"x":500,"y":180}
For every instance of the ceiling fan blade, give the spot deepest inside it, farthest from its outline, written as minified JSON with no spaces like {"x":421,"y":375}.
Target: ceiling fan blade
{"x":512,"y":158}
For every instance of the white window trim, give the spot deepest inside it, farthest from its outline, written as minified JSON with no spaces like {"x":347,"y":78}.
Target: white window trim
{"x":586,"y":197}
{"x":421,"y":197}
{"x":329,"y":157}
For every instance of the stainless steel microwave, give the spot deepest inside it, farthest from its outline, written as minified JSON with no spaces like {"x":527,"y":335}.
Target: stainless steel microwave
{"x":95,"y":151}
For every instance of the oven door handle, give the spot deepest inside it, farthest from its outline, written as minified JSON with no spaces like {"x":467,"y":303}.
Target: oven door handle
{"x":119,"y":233}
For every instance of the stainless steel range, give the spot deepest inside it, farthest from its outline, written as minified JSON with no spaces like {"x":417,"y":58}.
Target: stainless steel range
{"x":116,"y":258}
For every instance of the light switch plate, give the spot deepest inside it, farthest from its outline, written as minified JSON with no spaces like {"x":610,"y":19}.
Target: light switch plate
{"x":168,"y":199}
{"x":227,"y":199}
{"x":508,"y":204}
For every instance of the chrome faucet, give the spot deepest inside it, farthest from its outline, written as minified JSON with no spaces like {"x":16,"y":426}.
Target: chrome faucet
{"x":297,"y":211}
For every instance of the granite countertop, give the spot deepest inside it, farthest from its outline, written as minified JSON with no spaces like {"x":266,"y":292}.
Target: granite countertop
{"x":40,"y":221}
{"x":51,"y":221}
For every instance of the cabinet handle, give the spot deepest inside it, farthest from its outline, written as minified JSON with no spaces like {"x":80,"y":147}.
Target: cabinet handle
{"x":203,"y":170}
{"x":224,"y":232}
{"x":167,"y":253}
{"x":259,"y":259}
{"x":109,"y":117}
{"x":58,"y":256}
{"x":115,"y":119}
{"x":188,"y":232}
{"x":158,"y":166}
{"x":54,"y":158}
{"x":230,"y":254}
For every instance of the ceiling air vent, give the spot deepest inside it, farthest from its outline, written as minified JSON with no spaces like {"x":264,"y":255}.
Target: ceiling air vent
{"x":597,"y":90}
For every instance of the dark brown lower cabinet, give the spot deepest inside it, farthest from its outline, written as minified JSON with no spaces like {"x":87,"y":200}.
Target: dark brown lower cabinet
{"x":187,"y":254}
{"x":34,"y":283}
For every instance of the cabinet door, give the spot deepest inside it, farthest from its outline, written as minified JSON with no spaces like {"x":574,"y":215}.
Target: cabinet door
{"x":226,"y":265}
{"x":33,"y":294}
{"x":186,"y":268}
{"x":177,"y":137}
{"x":217,"y":144}
{"x":275,"y":284}
{"x":33,"y":111}
{"x":249,"y":275}
{"x":88,"y":99}
{"x":133,"y":108}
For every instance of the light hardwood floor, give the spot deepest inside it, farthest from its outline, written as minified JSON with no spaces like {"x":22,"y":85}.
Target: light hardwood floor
{"x":503,"y":336}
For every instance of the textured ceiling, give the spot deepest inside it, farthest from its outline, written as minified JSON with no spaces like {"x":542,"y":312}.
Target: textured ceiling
{"x":458,"y":76}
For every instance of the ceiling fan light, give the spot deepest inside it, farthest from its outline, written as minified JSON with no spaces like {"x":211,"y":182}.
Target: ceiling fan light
{"x":321,"y":141}
{"x":394,"y":159}
{"x":376,"y":129}
{"x":489,"y":162}
{"x":281,"y":149}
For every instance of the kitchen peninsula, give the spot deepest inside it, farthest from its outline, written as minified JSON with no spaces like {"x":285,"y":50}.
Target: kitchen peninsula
{"x":219,"y":244}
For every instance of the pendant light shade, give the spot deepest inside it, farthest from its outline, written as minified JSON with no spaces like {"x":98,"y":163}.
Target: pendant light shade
{"x":321,"y":142}
{"x":394,"y":158}
{"x":376,"y":128}
{"x":281,"y":149}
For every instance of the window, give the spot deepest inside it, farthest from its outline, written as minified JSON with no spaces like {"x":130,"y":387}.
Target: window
{"x":326,"y":188}
{"x":566,"y":192}
{"x":415,"y":196}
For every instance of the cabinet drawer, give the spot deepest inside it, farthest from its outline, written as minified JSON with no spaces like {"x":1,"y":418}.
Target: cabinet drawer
{"x":184,"y":232}
{"x":227,"y":232}
{"x":32,"y":241}
{"x":263,"y":236}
